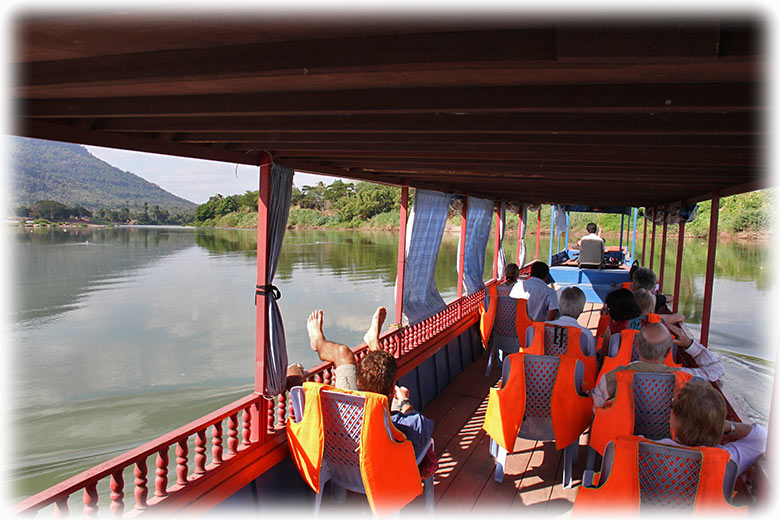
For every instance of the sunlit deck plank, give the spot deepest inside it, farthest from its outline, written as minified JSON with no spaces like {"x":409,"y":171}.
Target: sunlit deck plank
{"x":464,"y":482}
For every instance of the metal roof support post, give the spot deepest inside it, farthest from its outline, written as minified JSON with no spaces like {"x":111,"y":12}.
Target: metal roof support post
{"x":652,"y":240}
{"x":519,"y":233}
{"x":633,"y":235}
{"x":710,"y":274}
{"x":399,"y":286}
{"x":262,"y":299}
{"x":462,"y":252}
{"x":620,"y":245}
{"x":538,"y":230}
{"x":663,"y":251}
{"x":644,"y":237}
{"x":552,"y":232}
{"x":678,"y":267}
{"x":498,"y":240}
{"x":566,"y":242}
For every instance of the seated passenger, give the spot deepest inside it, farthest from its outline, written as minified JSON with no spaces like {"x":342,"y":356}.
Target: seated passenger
{"x":698,"y":418}
{"x":622,"y":308}
{"x":591,"y":229}
{"x":654,"y":342}
{"x":511,"y":273}
{"x":571,"y":304}
{"x":542,"y":300}
{"x":646,"y":302}
{"x":644,"y":278}
{"x":375,"y":373}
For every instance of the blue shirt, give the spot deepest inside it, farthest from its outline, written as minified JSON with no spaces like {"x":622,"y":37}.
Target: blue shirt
{"x":417,"y":428}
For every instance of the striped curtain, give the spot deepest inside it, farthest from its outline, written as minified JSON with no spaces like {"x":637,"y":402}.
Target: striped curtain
{"x":478,"y":220}
{"x":423,"y":239}
{"x":501,"y":232}
{"x":523,"y":210}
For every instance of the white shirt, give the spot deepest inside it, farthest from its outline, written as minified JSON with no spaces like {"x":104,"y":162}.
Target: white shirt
{"x":541,"y":297}
{"x":587,"y":341}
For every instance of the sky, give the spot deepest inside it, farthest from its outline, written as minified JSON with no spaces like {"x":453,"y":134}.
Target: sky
{"x":193,"y":179}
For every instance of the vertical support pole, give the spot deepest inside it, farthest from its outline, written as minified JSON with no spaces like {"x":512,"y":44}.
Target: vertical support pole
{"x":663,"y":251}
{"x":538,"y":230}
{"x":520,"y":233}
{"x":498,"y":240}
{"x":652,"y":240}
{"x":566,"y":242}
{"x":462,"y":252}
{"x":710,"y":274}
{"x":552,"y":233}
{"x":620,"y":244}
{"x":399,"y":289}
{"x":644,"y":237}
{"x":678,"y":266}
{"x":262,"y":300}
{"x":633,"y":236}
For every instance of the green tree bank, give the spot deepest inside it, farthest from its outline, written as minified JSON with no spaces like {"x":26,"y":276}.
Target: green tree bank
{"x":343,"y":205}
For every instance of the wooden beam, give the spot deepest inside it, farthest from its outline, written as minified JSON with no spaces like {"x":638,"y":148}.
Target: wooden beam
{"x":604,"y":124}
{"x":532,"y":98}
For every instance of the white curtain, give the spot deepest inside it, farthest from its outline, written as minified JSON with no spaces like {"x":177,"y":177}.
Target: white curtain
{"x":478,"y":219}
{"x":276,"y":348}
{"x":523,"y":222}
{"x":423,"y":239}
{"x":501,"y":230}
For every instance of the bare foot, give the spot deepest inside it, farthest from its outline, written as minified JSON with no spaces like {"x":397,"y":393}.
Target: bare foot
{"x":371,"y":337}
{"x":314,"y":328}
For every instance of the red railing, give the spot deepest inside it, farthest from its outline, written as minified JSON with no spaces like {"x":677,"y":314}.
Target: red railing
{"x":231,"y":437}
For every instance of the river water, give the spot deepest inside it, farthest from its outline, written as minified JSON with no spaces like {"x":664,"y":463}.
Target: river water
{"x":120,"y":335}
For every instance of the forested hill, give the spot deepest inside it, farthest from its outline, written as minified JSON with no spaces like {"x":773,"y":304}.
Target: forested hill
{"x":68,"y":173}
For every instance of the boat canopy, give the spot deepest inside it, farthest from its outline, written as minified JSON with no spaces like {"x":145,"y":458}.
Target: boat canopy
{"x":612,"y":111}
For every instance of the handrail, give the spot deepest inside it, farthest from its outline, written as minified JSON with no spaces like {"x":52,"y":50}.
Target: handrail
{"x":410,"y":345}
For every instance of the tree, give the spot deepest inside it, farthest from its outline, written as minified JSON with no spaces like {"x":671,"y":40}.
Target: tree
{"x":50,"y":210}
{"x":22,"y":211}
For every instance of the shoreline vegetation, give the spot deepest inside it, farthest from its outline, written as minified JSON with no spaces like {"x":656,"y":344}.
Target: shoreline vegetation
{"x":373,"y":207}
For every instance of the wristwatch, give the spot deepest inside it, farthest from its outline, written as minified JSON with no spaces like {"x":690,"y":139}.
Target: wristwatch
{"x":731,"y":423}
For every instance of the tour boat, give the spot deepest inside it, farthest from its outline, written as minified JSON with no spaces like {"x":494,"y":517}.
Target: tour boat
{"x":630,"y":112}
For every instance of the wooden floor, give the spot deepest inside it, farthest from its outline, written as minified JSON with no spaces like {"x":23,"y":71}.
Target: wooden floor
{"x":464,"y":482}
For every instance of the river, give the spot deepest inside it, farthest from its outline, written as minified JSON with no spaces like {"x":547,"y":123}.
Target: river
{"x":120,"y":335}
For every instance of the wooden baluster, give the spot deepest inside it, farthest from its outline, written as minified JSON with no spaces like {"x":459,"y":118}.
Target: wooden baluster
{"x":141,"y":491}
{"x":200,"y":452}
{"x":216,"y":442}
{"x":270,"y":413}
{"x":246,"y":428}
{"x":91,"y":500}
{"x":161,"y":481}
{"x":318,"y":377}
{"x":61,"y":509}
{"x":181,"y":462}
{"x":280,"y":408}
{"x":117,"y":486}
{"x":232,"y":442}
{"x":327,"y":376}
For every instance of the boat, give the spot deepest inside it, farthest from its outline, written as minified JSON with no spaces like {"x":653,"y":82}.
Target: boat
{"x":649,"y":113}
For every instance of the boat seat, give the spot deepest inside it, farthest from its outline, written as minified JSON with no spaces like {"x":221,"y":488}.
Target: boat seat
{"x":591,"y":253}
{"x":663,"y":479}
{"x":511,"y":316}
{"x":342,"y":418}
{"x":540,"y":379}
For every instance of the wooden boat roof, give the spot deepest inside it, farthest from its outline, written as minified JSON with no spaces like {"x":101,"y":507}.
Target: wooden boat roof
{"x":602,"y":112}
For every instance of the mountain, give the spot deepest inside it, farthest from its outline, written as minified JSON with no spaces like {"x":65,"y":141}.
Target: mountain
{"x":68,"y":173}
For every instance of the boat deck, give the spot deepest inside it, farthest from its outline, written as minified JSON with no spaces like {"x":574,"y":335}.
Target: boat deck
{"x":464,"y":481}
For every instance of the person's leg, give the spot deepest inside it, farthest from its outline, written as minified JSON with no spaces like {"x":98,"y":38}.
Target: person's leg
{"x":372,"y":335}
{"x":336,"y":353}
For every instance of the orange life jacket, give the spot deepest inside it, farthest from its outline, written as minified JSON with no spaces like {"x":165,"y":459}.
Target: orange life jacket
{"x":653,"y":318}
{"x":487,"y":317}
{"x":620,"y":493}
{"x":623,"y":356}
{"x":571,"y":412}
{"x":573,"y":349}
{"x":618,"y":418}
{"x":387,"y":465}
{"x":604,"y":320}
{"x":626,"y":285}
